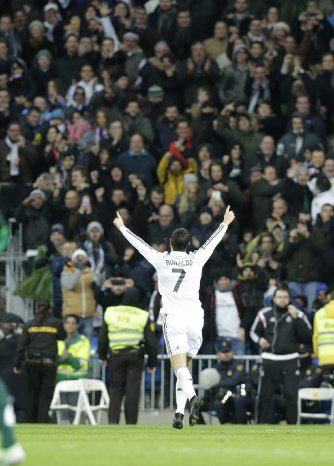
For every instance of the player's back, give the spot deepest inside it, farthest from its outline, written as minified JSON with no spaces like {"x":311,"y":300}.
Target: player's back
{"x":179,"y":276}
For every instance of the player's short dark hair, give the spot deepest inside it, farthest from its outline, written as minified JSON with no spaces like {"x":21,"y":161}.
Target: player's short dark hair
{"x":180,"y":239}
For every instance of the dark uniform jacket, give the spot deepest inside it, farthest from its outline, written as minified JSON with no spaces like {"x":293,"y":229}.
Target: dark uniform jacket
{"x":282,"y":331}
{"x":232,"y":373}
{"x":310,"y":375}
{"x":39,"y":342}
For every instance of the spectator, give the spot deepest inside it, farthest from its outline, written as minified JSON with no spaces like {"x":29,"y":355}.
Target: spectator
{"x":234,"y":76}
{"x":292,"y":144}
{"x":262,"y":193}
{"x":37,"y":215}
{"x":203,"y":229}
{"x":134,"y":122}
{"x":160,"y":231}
{"x":296,"y":191}
{"x":101,"y":254}
{"x":198,"y":70}
{"x":249,"y":294}
{"x":171,"y":172}
{"x":188,"y":202}
{"x":221,"y":316}
{"x":241,"y":130}
{"x":163,"y":20}
{"x":17,"y":157}
{"x":216,"y":46}
{"x":88,"y":82}
{"x":302,"y":255}
{"x":324,"y":197}
{"x":69,"y":65}
{"x":35,"y":42}
{"x":183,"y":35}
{"x":138,"y":160}
{"x":77,"y":281}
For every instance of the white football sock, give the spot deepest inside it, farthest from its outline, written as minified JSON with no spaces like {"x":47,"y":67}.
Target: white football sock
{"x":181,"y":399}
{"x":185,"y":381}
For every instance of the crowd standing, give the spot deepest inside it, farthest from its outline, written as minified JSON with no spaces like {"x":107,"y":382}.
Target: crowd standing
{"x":168,"y":111}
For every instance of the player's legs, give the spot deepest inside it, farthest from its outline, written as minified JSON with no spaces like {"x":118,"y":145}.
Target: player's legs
{"x":12,"y":452}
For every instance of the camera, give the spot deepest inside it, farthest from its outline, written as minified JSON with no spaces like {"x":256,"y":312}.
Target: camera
{"x":118,"y":281}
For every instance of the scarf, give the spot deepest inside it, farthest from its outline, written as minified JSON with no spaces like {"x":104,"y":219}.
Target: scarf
{"x":224,"y":289}
{"x":13,"y":157}
{"x":100,"y":134}
{"x":89,"y":248}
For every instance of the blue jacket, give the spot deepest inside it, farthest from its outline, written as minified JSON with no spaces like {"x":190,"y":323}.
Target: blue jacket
{"x":56,"y":266}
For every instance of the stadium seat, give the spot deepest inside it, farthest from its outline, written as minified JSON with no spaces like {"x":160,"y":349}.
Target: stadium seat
{"x":83,"y":387}
{"x":315,"y":394}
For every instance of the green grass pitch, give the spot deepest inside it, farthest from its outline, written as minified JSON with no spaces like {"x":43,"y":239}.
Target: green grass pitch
{"x":52,"y":445}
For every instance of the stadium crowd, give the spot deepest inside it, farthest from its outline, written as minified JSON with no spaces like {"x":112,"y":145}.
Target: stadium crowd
{"x":168,"y":111}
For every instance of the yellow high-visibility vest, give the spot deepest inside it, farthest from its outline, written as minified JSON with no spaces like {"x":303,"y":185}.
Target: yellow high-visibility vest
{"x":324,"y":326}
{"x":81,"y":350}
{"x":126,"y":326}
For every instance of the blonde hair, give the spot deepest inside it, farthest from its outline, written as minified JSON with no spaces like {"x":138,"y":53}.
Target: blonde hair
{"x":187,"y":202}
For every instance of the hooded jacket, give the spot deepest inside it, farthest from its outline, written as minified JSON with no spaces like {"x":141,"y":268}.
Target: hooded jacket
{"x":173,"y":182}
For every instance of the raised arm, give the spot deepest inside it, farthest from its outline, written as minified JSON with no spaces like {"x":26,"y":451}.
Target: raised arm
{"x":205,"y":251}
{"x":150,"y":254}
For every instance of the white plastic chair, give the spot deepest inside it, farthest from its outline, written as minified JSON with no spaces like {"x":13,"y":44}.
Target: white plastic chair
{"x":83,"y":406}
{"x":315,"y":394}
{"x":95,"y":385}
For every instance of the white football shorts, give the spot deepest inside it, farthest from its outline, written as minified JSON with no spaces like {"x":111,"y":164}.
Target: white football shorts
{"x":183,"y":334}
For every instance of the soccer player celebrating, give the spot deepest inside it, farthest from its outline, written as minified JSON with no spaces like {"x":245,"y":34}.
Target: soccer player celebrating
{"x":179,"y":275}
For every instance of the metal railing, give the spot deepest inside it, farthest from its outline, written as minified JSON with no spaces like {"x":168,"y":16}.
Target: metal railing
{"x":14,"y":259}
{"x":158,"y":389}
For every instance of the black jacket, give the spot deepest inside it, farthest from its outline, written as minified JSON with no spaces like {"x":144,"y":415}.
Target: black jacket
{"x":232,"y":373}
{"x":39,"y":341}
{"x":282,"y":331}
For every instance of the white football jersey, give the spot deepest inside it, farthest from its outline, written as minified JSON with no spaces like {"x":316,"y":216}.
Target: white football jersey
{"x":179,"y":273}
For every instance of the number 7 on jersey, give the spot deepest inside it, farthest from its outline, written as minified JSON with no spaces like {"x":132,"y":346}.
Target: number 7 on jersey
{"x":179,"y":280}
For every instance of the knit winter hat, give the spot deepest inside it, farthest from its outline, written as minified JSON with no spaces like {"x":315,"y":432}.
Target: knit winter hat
{"x":36,"y":192}
{"x":301,"y":170}
{"x":36,"y":23}
{"x":237,"y":48}
{"x":96,"y":225}
{"x":189,"y":178}
{"x":78,"y":252}
{"x":57,"y":227}
{"x":155,"y":91}
{"x":131,"y":35}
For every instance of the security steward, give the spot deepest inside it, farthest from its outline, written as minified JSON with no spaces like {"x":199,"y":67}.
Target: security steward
{"x":230,"y":396}
{"x":37,"y":346}
{"x":323,"y":337}
{"x":127,"y":330}
{"x":278,"y":330}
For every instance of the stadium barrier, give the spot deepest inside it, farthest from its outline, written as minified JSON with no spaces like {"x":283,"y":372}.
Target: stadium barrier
{"x":158,"y":389}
